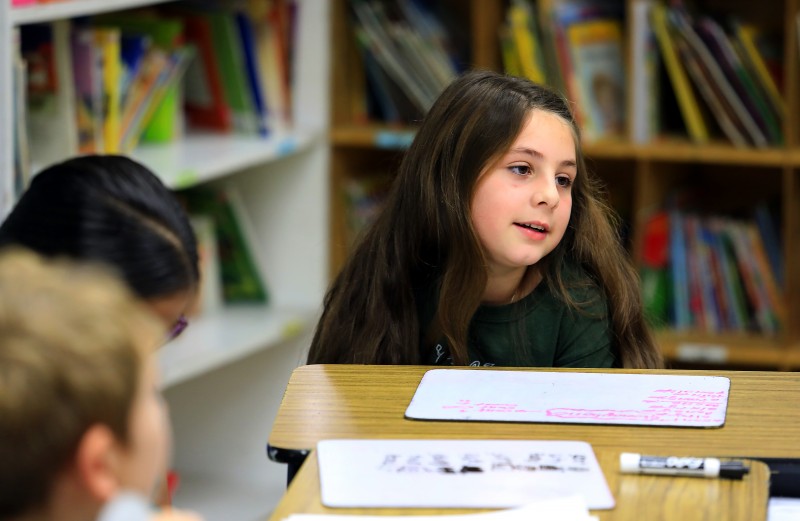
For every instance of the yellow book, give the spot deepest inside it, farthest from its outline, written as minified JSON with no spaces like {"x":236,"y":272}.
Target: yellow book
{"x":509,"y":52}
{"x":687,"y":101}
{"x":521,"y":21}
{"x":107,"y":41}
{"x":746,"y":36}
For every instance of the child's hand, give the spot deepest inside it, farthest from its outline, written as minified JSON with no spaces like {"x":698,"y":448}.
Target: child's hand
{"x":170,"y":514}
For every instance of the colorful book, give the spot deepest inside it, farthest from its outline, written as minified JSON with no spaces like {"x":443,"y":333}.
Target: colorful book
{"x":228,"y":47}
{"x":107,"y":43}
{"x":87,"y":67}
{"x":679,"y":272}
{"x":738,"y":76}
{"x":746,"y":36}
{"x":644,"y":107}
{"x":715,"y":77}
{"x":204,"y":96}
{"x":253,"y":74}
{"x":596,"y":55}
{"x":524,"y":34}
{"x":241,"y":278}
{"x":693,"y":118}
{"x":50,"y":91}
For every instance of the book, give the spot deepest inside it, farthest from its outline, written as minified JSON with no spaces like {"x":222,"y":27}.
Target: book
{"x":524,"y":34}
{"x":746,"y":36}
{"x":768,"y":230}
{"x":87,"y":66}
{"x":210,"y":296}
{"x":693,"y":118}
{"x":596,"y":55}
{"x":107,"y":45}
{"x":739,"y":77}
{"x":204,"y":97}
{"x":712,"y":76}
{"x":241,"y":278}
{"x":458,"y":473}
{"x":654,"y":271}
{"x":253,"y":75}
{"x":50,"y":91}
{"x":228,"y":49}
{"x":22,"y":160}
{"x":166,"y":32}
{"x":643,"y":110}
{"x":679,"y":272}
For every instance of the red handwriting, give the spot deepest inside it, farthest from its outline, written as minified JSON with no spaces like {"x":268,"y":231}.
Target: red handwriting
{"x":674,"y":406}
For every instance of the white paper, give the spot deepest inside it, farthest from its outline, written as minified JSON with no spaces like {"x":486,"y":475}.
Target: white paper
{"x":457,"y":473}
{"x":783,"y":509}
{"x":569,"y":508}
{"x":561,"y":397}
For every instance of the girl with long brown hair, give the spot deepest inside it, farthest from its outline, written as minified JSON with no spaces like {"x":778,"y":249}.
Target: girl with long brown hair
{"x":494,"y":247}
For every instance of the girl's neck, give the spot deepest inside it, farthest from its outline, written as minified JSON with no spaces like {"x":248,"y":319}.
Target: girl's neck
{"x":513,"y":287}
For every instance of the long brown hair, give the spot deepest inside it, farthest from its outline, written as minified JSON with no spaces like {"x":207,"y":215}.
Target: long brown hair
{"x":424,"y":236}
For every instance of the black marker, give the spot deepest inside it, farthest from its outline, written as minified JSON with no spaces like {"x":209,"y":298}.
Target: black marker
{"x":681,"y":466}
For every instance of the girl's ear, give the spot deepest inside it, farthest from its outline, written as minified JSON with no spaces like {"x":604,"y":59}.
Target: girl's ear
{"x":97,"y":463}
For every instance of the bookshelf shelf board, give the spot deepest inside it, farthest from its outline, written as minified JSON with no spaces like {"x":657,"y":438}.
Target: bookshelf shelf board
{"x":216,"y":498}
{"x":227,"y":335}
{"x":713,"y":153}
{"x":71,"y":8}
{"x":675,"y":151}
{"x":727,"y":349}
{"x":202,"y":157}
{"x":373,"y":136}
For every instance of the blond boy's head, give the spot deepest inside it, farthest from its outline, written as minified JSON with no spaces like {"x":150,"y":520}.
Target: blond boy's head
{"x":74,"y":345}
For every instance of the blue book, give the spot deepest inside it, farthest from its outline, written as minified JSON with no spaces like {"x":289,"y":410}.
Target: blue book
{"x":769,"y":237}
{"x":252,"y":72}
{"x":679,"y":271}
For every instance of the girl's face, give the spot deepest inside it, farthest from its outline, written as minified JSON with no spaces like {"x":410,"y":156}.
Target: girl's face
{"x":523,"y":201}
{"x":145,"y":458}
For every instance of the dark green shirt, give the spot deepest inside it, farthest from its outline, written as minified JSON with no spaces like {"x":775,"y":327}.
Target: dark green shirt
{"x":537,"y":331}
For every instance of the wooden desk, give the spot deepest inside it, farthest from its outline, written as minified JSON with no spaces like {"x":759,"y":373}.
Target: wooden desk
{"x":342,"y":401}
{"x":638,"y":498}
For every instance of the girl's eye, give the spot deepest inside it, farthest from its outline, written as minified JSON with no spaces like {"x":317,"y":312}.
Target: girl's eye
{"x":564,"y":181}
{"x":520,"y":169}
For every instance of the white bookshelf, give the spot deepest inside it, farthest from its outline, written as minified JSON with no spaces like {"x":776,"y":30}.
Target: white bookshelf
{"x":224,"y":377}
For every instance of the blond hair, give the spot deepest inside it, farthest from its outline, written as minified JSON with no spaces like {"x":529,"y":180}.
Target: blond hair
{"x":73,"y":342}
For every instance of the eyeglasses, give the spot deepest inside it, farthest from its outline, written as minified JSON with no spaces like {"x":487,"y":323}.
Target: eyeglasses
{"x":181,"y":324}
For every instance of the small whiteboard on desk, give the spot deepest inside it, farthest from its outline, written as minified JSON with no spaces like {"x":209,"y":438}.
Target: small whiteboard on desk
{"x":457,"y":473}
{"x":566,"y":397}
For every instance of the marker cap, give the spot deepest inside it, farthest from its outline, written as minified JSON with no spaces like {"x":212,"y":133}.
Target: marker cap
{"x":629,"y":462}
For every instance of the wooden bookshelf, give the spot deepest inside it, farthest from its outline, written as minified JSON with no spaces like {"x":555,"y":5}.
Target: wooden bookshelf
{"x":638,"y":176}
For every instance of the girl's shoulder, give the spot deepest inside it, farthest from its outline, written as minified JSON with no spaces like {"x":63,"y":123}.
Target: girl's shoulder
{"x":583,"y":289}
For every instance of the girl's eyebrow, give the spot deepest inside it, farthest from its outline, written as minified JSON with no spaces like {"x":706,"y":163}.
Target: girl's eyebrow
{"x":539,"y":155}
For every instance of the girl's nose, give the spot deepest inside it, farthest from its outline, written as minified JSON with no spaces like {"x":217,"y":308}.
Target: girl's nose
{"x":545,"y":191}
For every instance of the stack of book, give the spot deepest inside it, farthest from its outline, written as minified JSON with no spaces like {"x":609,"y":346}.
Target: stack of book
{"x":575,"y":47}
{"x":115,"y":80}
{"x":713,"y":274}
{"x":723,"y":83}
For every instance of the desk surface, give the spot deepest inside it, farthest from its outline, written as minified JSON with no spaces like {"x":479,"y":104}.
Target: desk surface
{"x":346,"y":401}
{"x":356,"y":401}
{"x":637,"y":497}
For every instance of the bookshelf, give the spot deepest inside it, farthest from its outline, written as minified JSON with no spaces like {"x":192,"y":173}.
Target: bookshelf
{"x":639,"y":176}
{"x":224,"y":377}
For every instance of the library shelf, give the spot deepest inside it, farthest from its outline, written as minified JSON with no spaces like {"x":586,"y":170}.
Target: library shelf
{"x":223,"y":336}
{"x":47,"y":12}
{"x":202,"y":157}
{"x":729,"y":350}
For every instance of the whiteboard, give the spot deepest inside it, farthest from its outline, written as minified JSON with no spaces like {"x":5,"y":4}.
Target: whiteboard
{"x":562,"y":397}
{"x":458,"y":473}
